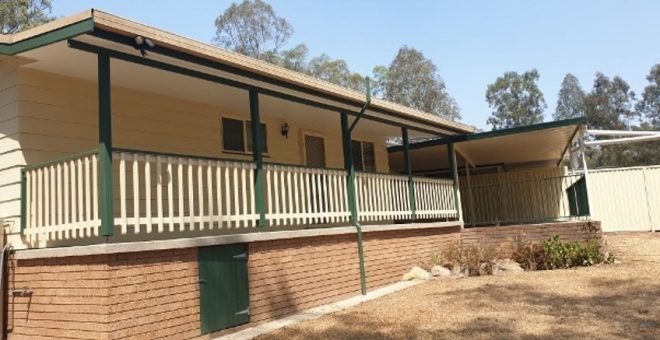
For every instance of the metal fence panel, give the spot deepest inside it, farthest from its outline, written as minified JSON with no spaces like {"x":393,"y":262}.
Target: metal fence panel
{"x":626,"y":199}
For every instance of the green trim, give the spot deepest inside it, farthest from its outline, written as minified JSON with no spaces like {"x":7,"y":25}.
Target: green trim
{"x":63,"y":33}
{"x":23,"y":201}
{"x":62,"y":159}
{"x":451,"y":154}
{"x":224,"y":81}
{"x":169,"y":52}
{"x":105,"y":146}
{"x":350,"y":193}
{"x":364,"y":107}
{"x":408,"y":168}
{"x":257,"y":156}
{"x":492,"y":134}
{"x":348,"y":166}
{"x":363,"y":272}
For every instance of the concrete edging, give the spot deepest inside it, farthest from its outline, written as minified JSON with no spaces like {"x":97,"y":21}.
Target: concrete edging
{"x":317,"y":312}
{"x":131,"y":247}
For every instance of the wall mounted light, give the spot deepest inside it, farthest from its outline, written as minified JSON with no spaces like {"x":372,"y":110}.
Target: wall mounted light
{"x":142,"y":44}
{"x":285,"y":130}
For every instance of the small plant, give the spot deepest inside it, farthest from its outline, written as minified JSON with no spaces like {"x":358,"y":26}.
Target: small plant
{"x":555,"y":254}
{"x":473,"y":260}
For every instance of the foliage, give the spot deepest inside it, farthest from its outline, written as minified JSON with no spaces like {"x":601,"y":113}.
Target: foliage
{"x":556,"y":254}
{"x":413,"y":80}
{"x":335,"y":71}
{"x":570,"y":102}
{"x":252,"y":28}
{"x":516,"y":100}
{"x":649,"y":105}
{"x":473,"y":259}
{"x":19,"y":15}
{"x":610,"y":103}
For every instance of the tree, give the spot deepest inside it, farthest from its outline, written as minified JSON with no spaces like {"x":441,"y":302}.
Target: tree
{"x":252,"y":28}
{"x":649,"y":105}
{"x":609,"y":105}
{"x":516,"y":100}
{"x":570,"y":102}
{"x":335,"y":71}
{"x":413,"y":80}
{"x":19,"y":15}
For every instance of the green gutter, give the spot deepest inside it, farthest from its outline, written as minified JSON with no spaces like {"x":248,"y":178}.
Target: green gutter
{"x":60,"y":34}
{"x":492,"y":134}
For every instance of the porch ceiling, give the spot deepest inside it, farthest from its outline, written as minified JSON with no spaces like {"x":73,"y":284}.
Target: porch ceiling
{"x":60,"y":59}
{"x":540,"y":145}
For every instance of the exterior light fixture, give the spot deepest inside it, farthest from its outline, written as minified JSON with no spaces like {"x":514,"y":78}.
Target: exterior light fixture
{"x":285,"y":130}
{"x":143,"y":44}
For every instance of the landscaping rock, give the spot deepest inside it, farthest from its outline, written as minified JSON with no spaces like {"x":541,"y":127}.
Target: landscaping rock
{"x":416,"y":273}
{"x":506,"y":266}
{"x":440,"y":272}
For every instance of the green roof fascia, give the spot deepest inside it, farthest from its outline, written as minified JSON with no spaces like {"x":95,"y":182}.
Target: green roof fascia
{"x":492,"y":134}
{"x":48,"y":38}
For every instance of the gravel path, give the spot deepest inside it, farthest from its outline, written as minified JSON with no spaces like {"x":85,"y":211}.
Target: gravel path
{"x":620,"y":300}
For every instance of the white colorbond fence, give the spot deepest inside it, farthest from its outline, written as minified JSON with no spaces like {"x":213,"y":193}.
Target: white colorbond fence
{"x":625,"y":199}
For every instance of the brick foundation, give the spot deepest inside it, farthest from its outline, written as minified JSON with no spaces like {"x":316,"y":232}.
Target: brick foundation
{"x":149,"y":295}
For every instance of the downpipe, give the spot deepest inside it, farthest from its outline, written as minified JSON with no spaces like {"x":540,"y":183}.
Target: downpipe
{"x":8,"y":248}
{"x":363,"y":275}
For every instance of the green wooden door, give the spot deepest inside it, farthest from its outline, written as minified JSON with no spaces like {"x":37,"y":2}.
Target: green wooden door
{"x":223,"y":287}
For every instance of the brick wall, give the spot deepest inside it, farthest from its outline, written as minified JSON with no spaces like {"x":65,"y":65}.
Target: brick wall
{"x":286,"y":276}
{"x":502,"y":237}
{"x":144,"y":295}
{"x":150,"y":295}
{"x":389,"y":254}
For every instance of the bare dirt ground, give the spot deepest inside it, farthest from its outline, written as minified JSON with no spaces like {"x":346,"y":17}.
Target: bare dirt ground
{"x":614,"y":301}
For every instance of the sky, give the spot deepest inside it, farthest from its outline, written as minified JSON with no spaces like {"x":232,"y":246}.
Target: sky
{"x":471,"y":42}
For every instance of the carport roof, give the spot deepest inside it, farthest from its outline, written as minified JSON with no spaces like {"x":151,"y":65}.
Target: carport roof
{"x":534,"y":145}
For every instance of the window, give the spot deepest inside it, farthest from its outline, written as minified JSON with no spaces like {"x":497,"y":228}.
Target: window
{"x":237,"y":135}
{"x":363,"y":156}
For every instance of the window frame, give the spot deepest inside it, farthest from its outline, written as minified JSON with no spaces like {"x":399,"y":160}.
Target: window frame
{"x":363,"y":167}
{"x":245,"y":125}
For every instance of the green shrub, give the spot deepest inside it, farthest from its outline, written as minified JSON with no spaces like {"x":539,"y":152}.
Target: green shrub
{"x":554,"y":254}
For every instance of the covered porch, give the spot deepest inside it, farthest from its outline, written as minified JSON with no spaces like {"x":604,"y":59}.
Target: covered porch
{"x":150,"y":143}
{"x":524,"y":175}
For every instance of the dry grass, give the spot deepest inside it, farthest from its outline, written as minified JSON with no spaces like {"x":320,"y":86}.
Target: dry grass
{"x":620,"y":300}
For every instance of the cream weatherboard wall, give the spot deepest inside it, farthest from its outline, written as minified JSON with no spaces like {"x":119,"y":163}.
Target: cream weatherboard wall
{"x":46,"y":116}
{"x":10,"y":153}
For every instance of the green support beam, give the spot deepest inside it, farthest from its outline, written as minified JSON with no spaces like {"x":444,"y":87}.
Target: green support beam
{"x":105,"y":146}
{"x":352,"y":200}
{"x":408,"y":165}
{"x":257,"y":156}
{"x":451,"y":153}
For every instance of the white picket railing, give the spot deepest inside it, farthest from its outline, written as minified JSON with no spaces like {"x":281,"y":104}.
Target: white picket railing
{"x":382,"y":197}
{"x":158,"y":193}
{"x":162,"y":192}
{"x":62,"y":199}
{"x":434,"y":198}
{"x":300,"y":195}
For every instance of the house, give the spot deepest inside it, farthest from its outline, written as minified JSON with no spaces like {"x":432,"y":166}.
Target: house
{"x":154,"y":186}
